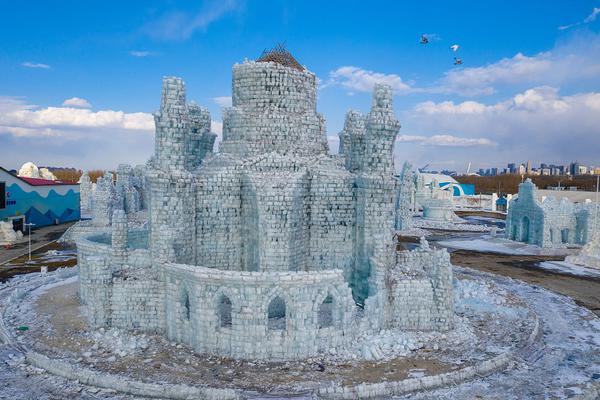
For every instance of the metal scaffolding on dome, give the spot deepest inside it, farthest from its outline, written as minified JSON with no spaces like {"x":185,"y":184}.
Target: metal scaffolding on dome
{"x":280,"y":55}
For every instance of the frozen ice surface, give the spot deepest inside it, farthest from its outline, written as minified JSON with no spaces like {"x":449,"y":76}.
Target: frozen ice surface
{"x":569,"y":268}
{"x":458,"y":225}
{"x":490,"y":244}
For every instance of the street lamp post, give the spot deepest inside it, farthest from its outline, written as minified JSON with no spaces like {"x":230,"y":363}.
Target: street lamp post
{"x":595,"y":233}
{"x":30,"y":224}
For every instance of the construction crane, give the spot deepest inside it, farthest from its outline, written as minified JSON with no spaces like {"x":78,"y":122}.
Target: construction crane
{"x":422,"y":169}
{"x":468,"y":168}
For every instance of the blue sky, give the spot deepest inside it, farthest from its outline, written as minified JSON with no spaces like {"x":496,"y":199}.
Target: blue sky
{"x":79,"y":79}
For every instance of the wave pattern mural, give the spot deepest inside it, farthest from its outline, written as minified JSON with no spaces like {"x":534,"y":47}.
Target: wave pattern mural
{"x":51,"y":209}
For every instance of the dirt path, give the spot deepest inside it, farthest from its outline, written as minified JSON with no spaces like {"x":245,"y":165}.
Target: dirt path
{"x":39,"y":238}
{"x":66,"y":257}
{"x":584,"y":290}
{"x":478,"y":213}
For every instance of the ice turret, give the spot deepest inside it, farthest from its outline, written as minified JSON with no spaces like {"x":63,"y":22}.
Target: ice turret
{"x":381,"y":130}
{"x":527,"y":190}
{"x":201,"y":140}
{"x":352,"y":140}
{"x":172,"y":126}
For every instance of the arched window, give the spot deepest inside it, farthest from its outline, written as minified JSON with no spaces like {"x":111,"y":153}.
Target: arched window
{"x":185,"y":303}
{"x":525,"y":230}
{"x":224,"y":311}
{"x":276,"y":314}
{"x":565,"y":235}
{"x":325,"y":314}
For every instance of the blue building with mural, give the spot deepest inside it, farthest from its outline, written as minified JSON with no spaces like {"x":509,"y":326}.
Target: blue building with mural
{"x":38,"y":201}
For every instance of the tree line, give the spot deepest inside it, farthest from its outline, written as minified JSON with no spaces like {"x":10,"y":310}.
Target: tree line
{"x":73,"y":175}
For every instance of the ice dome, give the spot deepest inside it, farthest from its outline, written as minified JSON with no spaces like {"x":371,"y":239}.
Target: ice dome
{"x":30,"y":170}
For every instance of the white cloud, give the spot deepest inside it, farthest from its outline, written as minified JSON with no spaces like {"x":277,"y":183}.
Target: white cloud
{"x":181,"y":25}
{"x":467,"y":107}
{"x":28,"y":64}
{"x":31,"y":132}
{"x":445,"y":140}
{"x":537,"y":124}
{"x":362,"y":80}
{"x":481,"y":80}
{"x":590,"y":18}
{"x":542,"y":100}
{"x":76,"y":137}
{"x":19,"y":118}
{"x":575,"y":60}
{"x":77,"y":102}
{"x":141,"y":53}
{"x":223,"y":101}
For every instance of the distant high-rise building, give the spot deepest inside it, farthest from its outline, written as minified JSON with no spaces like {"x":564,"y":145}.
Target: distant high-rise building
{"x":529,"y":167}
{"x":494,"y":171}
{"x":574,"y":168}
{"x":522,"y":169}
{"x":511,"y":168}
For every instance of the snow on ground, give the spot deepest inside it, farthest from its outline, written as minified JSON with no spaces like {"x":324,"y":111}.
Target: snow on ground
{"x":53,"y":258}
{"x":391,"y":344}
{"x":418,"y":232}
{"x":479,"y":297}
{"x":481,"y":220}
{"x":488,"y":244}
{"x":572,"y":269}
{"x":476,"y":337}
{"x":562,"y":364}
{"x":459,"y":225}
{"x":475,"y":302}
{"x":58,"y":255}
{"x":559,"y":366}
{"x":21,"y":381}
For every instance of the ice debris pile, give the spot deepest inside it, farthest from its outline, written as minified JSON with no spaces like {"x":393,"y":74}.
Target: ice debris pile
{"x":113,"y":342}
{"x":8,"y":235}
